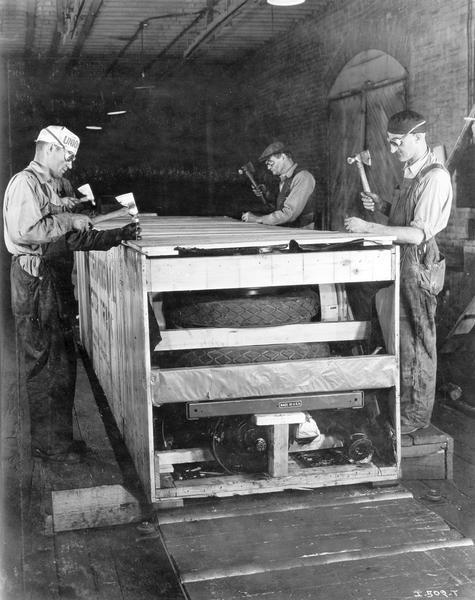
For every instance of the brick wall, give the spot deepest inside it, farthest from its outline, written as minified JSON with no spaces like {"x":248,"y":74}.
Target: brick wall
{"x":286,"y":85}
{"x":287,"y":82}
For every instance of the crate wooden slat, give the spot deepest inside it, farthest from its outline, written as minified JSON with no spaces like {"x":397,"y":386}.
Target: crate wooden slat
{"x":180,"y":339}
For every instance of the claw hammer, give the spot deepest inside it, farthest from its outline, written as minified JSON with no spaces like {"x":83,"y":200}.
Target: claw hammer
{"x":361,"y":159}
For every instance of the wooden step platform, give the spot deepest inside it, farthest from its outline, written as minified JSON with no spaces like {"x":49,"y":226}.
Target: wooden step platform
{"x":335,"y":543}
{"x":427,"y":454}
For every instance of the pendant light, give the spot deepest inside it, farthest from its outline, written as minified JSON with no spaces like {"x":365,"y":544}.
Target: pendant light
{"x":285,"y":2}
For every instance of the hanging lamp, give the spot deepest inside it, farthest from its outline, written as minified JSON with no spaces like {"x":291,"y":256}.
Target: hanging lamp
{"x":285,"y":2}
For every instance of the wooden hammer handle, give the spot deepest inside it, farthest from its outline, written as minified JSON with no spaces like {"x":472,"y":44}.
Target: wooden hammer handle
{"x":364,"y":179}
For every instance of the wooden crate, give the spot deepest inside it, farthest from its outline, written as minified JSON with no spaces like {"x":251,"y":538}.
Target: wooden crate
{"x":427,"y":454}
{"x":116,"y":331}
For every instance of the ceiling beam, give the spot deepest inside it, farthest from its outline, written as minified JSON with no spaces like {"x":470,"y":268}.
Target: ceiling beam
{"x":91,"y":15}
{"x":183,"y":32}
{"x":230,"y":10}
{"x":31,"y":9}
{"x":197,"y":14}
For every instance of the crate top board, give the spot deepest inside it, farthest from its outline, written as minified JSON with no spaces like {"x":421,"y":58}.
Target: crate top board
{"x":166,"y":236}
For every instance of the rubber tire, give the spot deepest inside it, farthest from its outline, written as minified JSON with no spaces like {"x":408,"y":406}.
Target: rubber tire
{"x":220,"y":310}
{"x":201,"y":357}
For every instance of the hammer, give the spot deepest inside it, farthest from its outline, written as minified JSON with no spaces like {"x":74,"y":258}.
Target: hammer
{"x":248,"y":170}
{"x":363,"y":158}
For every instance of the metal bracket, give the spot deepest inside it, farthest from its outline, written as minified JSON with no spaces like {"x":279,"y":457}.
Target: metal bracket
{"x":274,"y":404}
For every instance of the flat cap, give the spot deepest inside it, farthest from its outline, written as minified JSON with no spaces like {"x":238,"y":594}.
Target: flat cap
{"x":274,"y":148}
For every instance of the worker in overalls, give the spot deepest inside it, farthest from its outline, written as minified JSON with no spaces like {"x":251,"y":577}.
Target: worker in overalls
{"x":295,"y":202}
{"x":420,"y":209}
{"x":37,"y":231}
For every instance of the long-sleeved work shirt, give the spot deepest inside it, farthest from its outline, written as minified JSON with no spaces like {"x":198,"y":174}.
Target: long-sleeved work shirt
{"x":434,"y":196}
{"x":301,"y":188}
{"x":31,"y":217}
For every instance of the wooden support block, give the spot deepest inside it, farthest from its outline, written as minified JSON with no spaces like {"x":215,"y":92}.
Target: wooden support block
{"x":278,"y":418}
{"x":427,"y":454}
{"x":279,"y":450}
{"x":100,"y":506}
{"x":165,"y":503}
{"x":182,"y":455}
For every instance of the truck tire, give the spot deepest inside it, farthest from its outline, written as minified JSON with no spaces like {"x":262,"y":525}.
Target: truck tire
{"x":200,"y":357}
{"x":260,"y":310}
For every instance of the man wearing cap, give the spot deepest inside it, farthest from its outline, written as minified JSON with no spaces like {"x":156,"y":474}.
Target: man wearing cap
{"x":419,"y":210}
{"x":33,"y":225}
{"x":295,"y":203}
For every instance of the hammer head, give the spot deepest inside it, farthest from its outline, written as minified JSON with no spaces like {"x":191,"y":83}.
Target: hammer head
{"x":363,"y":157}
{"x":246,"y":169}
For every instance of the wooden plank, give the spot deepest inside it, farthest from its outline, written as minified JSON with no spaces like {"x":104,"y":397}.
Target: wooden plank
{"x":83,"y":291}
{"x":218,"y":337}
{"x":290,"y":500}
{"x":121,"y":329}
{"x":183,"y":455}
{"x":424,"y":450}
{"x":430,"y":435}
{"x":405,"y":576}
{"x":73,"y":565}
{"x":269,"y":270}
{"x":111,"y":563}
{"x":94,"y":507}
{"x":432,"y":465}
{"x":253,"y":484}
{"x":38,"y":545}
{"x":278,"y":419}
{"x":266,"y":379}
{"x":456,"y":508}
{"x":278,"y":456}
{"x":346,"y":532}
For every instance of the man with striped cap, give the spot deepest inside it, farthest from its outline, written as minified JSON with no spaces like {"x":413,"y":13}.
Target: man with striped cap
{"x":419,"y":210}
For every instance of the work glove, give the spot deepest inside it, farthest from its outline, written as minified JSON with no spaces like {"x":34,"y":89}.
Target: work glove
{"x":131,"y":231}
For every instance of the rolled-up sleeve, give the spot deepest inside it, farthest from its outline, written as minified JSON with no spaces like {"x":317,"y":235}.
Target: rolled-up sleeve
{"x":301,"y":188}
{"x":434,"y":203}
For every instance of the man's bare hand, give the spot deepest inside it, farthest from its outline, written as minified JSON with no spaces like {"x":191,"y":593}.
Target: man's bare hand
{"x":69,"y":202}
{"x":371,"y":201}
{"x":260,"y":190}
{"x":250,"y":217}
{"x":81,"y":222}
{"x":356,"y":225}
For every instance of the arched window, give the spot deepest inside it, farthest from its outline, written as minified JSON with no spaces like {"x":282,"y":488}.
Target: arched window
{"x":367,"y":91}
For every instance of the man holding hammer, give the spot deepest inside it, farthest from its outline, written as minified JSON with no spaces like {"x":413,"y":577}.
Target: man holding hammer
{"x":419,"y":210}
{"x":295,"y":204}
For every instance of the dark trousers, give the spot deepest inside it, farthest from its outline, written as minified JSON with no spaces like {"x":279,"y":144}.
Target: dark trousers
{"x":418,"y":357}
{"x":47,"y":358}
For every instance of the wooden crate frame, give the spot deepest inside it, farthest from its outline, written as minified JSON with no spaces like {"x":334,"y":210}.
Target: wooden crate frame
{"x":115,"y":288}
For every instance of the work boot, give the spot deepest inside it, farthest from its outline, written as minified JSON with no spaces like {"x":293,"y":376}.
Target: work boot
{"x":407,"y":428}
{"x":65,"y":458}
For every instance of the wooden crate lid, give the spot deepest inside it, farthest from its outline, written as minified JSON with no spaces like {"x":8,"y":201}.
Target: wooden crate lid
{"x":161,"y":236}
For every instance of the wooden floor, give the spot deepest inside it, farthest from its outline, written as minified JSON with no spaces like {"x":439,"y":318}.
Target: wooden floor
{"x":128,"y":561}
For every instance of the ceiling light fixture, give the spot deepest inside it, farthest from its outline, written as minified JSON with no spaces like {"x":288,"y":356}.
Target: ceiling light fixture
{"x":285,"y":2}
{"x":117,"y":112}
{"x":94,"y":127}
